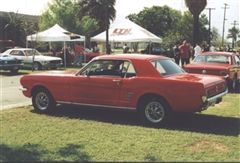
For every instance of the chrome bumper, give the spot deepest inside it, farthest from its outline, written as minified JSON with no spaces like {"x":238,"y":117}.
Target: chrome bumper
{"x":23,"y":89}
{"x":214,"y":100}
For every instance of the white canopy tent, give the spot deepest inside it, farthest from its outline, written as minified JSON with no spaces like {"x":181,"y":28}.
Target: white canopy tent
{"x":55,"y":34}
{"x":124,"y":30}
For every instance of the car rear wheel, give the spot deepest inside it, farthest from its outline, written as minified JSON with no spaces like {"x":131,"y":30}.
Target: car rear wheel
{"x":43,"y":101}
{"x":154,"y":111}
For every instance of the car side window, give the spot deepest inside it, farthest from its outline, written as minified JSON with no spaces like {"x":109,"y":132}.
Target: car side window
{"x":103,"y":68}
{"x":128,"y":70}
{"x":17,"y":53}
{"x":116,"y":68}
{"x":14,"y":52}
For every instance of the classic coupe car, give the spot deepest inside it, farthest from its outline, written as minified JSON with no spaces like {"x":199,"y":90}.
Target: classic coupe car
{"x":10,"y":63}
{"x":34,"y":59}
{"x":152,"y":85}
{"x":223,"y":64}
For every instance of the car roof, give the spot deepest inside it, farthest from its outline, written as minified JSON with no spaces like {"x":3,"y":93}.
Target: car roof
{"x":219,"y":53}
{"x":22,"y":49}
{"x":135,"y":56}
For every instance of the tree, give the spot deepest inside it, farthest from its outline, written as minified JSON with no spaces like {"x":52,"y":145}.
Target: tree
{"x":16,"y":28}
{"x":101,"y":10}
{"x":89,"y":26}
{"x":215,"y":37}
{"x":157,"y":19}
{"x":196,"y":7}
{"x":169,"y":24}
{"x":66,"y":14}
{"x":63,"y":13}
{"x":234,"y":34}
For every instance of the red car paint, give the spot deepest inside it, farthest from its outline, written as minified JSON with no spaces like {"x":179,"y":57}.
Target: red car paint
{"x":150,"y":84}
{"x":230,"y":70}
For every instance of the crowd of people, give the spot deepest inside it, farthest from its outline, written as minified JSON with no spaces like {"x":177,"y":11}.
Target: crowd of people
{"x":183,"y":52}
{"x":75,"y":54}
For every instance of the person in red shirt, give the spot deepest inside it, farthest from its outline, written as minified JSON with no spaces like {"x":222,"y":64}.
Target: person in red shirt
{"x":78,"y":49}
{"x":185,"y":53}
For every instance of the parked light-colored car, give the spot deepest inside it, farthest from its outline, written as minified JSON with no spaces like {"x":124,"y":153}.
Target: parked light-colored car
{"x":33,"y":58}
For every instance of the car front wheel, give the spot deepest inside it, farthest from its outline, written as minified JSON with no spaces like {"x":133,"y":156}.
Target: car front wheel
{"x":14,"y":70}
{"x":37,"y":66}
{"x":154,"y":111}
{"x":42,"y":101}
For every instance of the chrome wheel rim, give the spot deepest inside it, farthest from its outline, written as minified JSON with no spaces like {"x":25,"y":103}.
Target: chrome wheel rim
{"x":154,"y":112}
{"x":42,"y":101}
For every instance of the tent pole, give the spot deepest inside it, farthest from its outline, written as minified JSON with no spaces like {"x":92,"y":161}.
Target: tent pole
{"x":64,"y":51}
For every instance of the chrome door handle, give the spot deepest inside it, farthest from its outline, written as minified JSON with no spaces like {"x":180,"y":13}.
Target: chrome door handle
{"x":117,"y":81}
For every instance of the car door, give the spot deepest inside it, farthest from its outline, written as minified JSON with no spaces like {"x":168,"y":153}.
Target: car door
{"x":21,"y":55}
{"x":18,"y":54}
{"x":97,"y":84}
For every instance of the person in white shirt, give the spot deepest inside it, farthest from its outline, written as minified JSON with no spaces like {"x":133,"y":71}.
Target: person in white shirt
{"x":197,"y":50}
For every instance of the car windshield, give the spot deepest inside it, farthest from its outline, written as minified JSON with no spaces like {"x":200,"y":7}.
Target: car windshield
{"x":213,"y":59}
{"x":167,"y":67}
{"x":32,"y":52}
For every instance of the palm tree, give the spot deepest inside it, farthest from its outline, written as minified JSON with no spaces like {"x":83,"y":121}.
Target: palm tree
{"x":103,"y":11}
{"x":234,"y":34}
{"x":196,"y":7}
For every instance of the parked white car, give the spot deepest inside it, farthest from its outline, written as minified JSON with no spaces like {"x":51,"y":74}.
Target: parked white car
{"x":34,"y":59}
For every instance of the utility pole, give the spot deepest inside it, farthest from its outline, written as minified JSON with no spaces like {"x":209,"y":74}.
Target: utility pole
{"x":224,"y":18}
{"x":234,"y":27}
{"x":234,"y":23}
{"x":209,"y":26}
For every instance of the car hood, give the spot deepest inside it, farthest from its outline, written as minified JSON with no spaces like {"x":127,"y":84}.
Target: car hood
{"x":206,"y":80}
{"x":206,"y":66}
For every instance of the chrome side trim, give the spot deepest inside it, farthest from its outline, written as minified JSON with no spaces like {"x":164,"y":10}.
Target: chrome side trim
{"x":94,"y":105}
{"x":214,"y":98}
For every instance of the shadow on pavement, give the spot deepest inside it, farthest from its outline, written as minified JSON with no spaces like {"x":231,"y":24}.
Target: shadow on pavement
{"x":8,"y":73}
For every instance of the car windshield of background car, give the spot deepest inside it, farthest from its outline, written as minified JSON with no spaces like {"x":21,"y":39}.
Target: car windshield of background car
{"x":167,"y":67}
{"x":218,"y":59}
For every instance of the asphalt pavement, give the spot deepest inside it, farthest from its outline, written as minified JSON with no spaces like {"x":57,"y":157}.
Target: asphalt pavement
{"x":10,"y":94}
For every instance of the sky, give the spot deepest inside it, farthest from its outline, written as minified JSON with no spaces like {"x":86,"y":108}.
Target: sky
{"x":126,"y":7}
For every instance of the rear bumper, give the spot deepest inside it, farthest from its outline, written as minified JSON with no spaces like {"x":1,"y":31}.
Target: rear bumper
{"x":214,"y":100}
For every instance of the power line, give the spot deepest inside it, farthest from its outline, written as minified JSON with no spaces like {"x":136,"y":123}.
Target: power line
{"x":224,"y":19}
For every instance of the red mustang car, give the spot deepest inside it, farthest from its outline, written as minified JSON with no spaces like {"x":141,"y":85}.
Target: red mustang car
{"x":152,"y":85}
{"x":223,"y":64}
